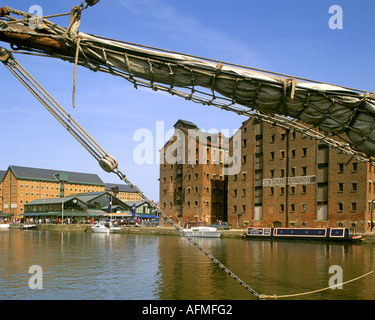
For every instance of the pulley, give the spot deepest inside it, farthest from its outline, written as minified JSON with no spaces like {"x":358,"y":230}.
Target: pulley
{"x":108,"y":163}
{"x":5,"y":55}
{"x":92,"y":2}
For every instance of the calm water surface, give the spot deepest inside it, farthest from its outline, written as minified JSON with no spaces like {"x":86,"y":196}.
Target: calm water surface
{"x":79,"y":265}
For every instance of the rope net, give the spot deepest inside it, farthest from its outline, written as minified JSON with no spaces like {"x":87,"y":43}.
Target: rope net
{"x":270,"y":97}
{"x":343,"y":118}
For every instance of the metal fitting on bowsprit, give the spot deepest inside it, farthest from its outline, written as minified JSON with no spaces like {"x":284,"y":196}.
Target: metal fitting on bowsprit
{"x":91,"y":2}
{"x":5,"y":55}
{"x":108,"y":163}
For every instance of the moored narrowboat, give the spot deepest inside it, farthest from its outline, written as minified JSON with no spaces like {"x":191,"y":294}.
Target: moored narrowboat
{"x":319,"y":234}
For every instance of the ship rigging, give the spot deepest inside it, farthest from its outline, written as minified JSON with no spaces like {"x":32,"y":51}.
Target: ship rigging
{"x":318,"y":110}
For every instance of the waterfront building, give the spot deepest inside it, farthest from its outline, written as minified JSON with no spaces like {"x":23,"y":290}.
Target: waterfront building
{"x":2,"y":175}
{"x":91,"y":205}
{"x":122,"y":192}
{"x":20,"y":185}
{"x":289,"y":180}
{"x":192,"y":183}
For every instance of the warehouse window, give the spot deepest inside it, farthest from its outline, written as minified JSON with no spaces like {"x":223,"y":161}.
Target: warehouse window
{"x":341,"y":187}
{"x":340,"y":207}
{"x":354,"y":186}
{"x":354,"y":167}
{"x":341,"y":168}
{"x":304,"y":152}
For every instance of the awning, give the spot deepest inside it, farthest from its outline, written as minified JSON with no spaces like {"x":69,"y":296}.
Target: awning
{"x":147,"y":216}
{"x":6,"y":215}
{"x":66,"y":214}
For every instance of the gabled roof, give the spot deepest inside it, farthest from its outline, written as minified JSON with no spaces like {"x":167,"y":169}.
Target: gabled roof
{"x":83,"y":197}
{"x":121,"y":187}
{"x":137,"y":203}
{"x":53,"y":175}
{"x":2,"y":175}
{"x":50,"y":201}
{"x":88,"y":196}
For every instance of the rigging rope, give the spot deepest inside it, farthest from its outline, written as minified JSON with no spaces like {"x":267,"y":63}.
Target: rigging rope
{"x":97,"y":56}
{"x":267,"y":296}
{"x":107,"y":162}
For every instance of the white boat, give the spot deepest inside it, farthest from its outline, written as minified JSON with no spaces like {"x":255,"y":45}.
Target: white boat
{"x":100,"y":227}
{"x":4,"y":226}
{"x":29,"y":226}
{"x":200,"y":229}
{"x":103,"y":227}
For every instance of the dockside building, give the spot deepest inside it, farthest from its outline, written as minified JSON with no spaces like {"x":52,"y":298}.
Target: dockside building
{"x":192,"y":183}
{"x":289,"y":180}
{"x":283,"y":178}
{"x":20,"y":185}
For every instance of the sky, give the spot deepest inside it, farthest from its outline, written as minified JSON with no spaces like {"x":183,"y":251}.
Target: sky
{"x":290,"y":36}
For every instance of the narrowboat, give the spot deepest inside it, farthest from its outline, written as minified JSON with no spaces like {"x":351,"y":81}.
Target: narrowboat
{"x":319,"y":234}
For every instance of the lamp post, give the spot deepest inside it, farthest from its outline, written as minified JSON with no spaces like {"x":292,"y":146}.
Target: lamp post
{"x":62,"y":212}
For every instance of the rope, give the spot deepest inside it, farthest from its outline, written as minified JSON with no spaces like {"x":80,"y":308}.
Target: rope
{"x":75,"y":71}
{"x":265,"y":296}
{"x":292,"y":83}
{"x":224,"y":62}
{"x":180,"y":230}
{"x":90,"y":144}
{"x":196,"y":96}
{"x":87,"y":142}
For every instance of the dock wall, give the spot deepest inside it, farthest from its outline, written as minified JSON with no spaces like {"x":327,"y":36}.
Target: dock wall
{"x":234,"y":233}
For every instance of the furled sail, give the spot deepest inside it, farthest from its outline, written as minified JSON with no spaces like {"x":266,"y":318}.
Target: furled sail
{"x":334,"y":110}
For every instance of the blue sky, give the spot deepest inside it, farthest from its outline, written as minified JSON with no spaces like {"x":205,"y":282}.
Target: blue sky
{"x":290,"y":36}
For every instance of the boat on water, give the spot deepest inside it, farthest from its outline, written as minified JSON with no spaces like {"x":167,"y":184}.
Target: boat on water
{"x":104,"y":227}
{"x":29,"y":226}
{"x":319,"y":234}
{"x":200,"y":229}
{"x":4,"y":226}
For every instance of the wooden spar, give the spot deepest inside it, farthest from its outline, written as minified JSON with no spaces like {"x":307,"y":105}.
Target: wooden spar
{"x":39,"y":42}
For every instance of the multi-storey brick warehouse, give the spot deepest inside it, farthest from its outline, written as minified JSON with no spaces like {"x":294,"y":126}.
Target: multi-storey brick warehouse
{"x":2,"y":175}
{"x":122,"y":192}
{"x":289,"y":180}
{"x":192,"y":183}
{"x":21,"y":185}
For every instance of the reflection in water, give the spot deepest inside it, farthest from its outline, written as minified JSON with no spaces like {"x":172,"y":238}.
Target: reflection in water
{"x":118,"y":266}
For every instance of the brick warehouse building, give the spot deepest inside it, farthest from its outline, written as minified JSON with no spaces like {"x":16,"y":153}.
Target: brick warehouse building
{"x":21,"y":185}
{"x":284,"y":179}
{"x":289,"y":180}
{"x":192,"y":183}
